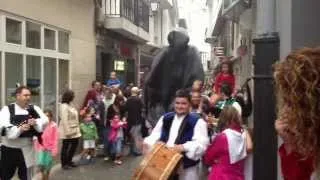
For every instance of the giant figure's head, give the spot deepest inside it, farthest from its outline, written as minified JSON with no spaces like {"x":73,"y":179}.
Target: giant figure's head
{"x":178,"y":39}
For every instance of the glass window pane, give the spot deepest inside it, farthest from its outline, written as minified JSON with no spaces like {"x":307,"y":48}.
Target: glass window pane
{"x":13,"y":31}
{"x":63,"y":76}
{"x":49,"y":39}
{"x":50,"y":84}
{"x":33,"y":35}
{"x":63,"y":42}
{"x":34,"y":77}
{"x":13,"y":75}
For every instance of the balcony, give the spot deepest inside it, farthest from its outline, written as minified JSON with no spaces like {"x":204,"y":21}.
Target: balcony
{"x":130,"y":18}
{"x":164,"y":4}
{"x":232,"y":9}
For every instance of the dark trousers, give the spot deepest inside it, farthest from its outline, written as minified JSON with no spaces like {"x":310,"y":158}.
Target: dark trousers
{"x":68,"y":150}
{"x":11,"y":159}
{"x":106,"y":143}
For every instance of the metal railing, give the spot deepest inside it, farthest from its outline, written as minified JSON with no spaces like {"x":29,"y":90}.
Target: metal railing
{"x":136,"y":11}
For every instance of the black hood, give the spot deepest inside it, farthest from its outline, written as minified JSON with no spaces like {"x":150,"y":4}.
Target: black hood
{"x":178,"y":39}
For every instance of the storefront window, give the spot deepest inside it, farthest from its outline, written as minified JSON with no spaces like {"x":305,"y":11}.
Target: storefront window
{"x":33,"y":35}
{"x":63,"y":76}
{"x":13,"y":31}
{"x":50,"y":84}
{"x":49,"y":39}
{"x":13,"y":75}
{"x":63,"y":42}
{"x":34,"y":77}
{"x":33,"y":67}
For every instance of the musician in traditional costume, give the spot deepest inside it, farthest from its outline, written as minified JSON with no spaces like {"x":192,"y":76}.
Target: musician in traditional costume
{"x":21,"y":122}
{"x":183,"y":131}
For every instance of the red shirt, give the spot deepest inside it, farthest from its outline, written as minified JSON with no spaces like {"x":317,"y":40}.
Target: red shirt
{"x":224,"y":78}
{"x":294,"y":166}
{"x":91,"y":95}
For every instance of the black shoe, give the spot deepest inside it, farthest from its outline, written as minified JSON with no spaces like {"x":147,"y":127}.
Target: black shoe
{"x":72,"y":164}
{"x":66,"y":167}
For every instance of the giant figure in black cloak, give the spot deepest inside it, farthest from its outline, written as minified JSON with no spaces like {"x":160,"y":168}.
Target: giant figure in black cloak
{"x":175,"y":67}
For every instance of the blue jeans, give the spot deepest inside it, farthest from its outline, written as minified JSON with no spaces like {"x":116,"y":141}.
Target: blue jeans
{"x":116,"y":148}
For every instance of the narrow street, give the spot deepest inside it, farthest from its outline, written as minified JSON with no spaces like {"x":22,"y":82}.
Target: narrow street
{"x":99,"y":170}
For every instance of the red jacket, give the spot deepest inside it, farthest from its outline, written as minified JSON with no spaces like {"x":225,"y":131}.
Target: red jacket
{"x":224,"y":78}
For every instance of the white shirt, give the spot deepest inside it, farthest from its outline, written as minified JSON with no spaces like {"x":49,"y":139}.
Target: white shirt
{"x":13,"y":132}
{"x":194,"y":149}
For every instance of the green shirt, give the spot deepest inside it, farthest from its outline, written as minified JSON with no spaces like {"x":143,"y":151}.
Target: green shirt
{"x":89,"y":131}
{"x":228,"y":102}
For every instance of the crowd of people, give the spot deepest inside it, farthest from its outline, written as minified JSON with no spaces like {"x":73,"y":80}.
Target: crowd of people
{"x":208,"y":129}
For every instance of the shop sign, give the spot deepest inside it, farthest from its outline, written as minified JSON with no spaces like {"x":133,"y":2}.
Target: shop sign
{"x":125,"y":50}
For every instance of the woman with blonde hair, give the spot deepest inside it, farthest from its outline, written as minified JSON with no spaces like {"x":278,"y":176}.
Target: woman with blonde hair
{"x":297,"y":81}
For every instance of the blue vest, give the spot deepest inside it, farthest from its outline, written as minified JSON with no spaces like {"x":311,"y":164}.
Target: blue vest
{"x":186,"y":130}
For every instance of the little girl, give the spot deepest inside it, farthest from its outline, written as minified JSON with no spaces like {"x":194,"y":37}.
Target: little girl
{"x":225,"y":76}
{"x":116,"y":138}
{"x":226,"y":155}
{"x":49,"y":146}
{"x":89,"y":134}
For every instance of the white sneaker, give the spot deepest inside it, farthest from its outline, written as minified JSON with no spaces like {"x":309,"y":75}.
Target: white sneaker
{"x":106,"y":159}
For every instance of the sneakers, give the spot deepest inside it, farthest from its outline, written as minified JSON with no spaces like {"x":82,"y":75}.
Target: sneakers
{"x":106,"y":159}
{"x":118,"y":162}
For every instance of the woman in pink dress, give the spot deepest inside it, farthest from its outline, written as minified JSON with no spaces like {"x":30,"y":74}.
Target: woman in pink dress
{"x":228,"y":151}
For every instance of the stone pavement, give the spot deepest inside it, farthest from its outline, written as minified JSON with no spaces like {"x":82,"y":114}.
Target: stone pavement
{"x":99,"y":170}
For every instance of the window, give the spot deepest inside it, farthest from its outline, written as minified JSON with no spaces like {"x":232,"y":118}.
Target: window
{"x":34,"y":67}
{"x":34,"y":77}
{"x":49,"y":39}
{"x":13,"y":75}
{"x":63,"y":76}
{"x":13,"y":31}
{"x":63,"y":42}
{"x":33,"y":34}
{"x":50,"y":84}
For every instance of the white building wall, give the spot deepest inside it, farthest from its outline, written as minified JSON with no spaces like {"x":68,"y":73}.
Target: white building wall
{"x":75,"y":16}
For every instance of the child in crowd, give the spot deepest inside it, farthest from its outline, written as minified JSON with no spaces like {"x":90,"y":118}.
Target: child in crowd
{"x":228,"y":151}
{"x":89,"y":134}
{"x":116,"y":138}
{"x":225,"y":76}
{"x":48,"y":149}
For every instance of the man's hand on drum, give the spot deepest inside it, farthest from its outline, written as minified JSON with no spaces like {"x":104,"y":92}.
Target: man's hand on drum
{"x":178,"y":147}
{"x":145,"y":148}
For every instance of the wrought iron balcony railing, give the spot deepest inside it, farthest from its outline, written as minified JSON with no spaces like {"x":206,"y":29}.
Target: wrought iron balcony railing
{"x":136,"y":11}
